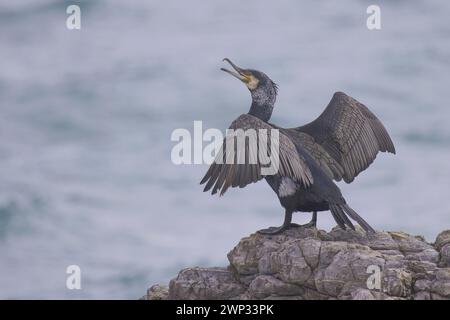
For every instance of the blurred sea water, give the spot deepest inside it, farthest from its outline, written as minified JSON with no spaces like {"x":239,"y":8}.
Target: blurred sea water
{"x":86,"y":118}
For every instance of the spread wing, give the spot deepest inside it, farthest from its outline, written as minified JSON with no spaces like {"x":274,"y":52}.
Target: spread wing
{"x":349,"y":133}
{"x":327,"y":163}
{"x":245,"y":166}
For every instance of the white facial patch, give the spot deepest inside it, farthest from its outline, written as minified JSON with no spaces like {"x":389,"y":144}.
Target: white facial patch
{"x":253,"y":83}
{"x":287,"y":187}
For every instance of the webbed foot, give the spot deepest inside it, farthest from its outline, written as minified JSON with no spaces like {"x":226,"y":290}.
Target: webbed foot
{"x":288,"y":224}
{"x":310,"y":224}
{"x":274,"y":230}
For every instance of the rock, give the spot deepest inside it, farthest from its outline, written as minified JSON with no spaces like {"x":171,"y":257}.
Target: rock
{"x":422,"y":295}
{"x":205,"y":283}
{"x":267,"y":286}
{"x":445,"y":256}
{"x":442,"y":239}
{"x":397,"y":282}
{"x":362,"y":294}
{"x":157,"y":292}
{"x":311,"y":264}
{"x":442,"y":244}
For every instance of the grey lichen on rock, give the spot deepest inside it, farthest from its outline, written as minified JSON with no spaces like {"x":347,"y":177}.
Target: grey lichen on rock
{"x":310,"y":264}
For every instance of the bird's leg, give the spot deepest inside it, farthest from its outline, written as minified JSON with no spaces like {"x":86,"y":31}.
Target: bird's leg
{"x":313,"y":222}
{"x":276,"y":230}
{"x":310,"y":224}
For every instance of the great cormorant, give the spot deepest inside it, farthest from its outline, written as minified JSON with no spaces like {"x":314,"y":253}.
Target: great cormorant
{"x":343,"y":141}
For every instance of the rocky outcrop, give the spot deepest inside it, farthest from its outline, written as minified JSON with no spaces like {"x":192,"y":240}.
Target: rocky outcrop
{"x":313,"y":264}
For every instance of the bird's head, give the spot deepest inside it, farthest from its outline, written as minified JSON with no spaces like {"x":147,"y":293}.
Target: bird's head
{"x":262,"y":89}
{"x":253,"y":79}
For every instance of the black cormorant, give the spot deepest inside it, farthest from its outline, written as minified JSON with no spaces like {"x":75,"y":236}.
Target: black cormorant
{"x":343,"y":141}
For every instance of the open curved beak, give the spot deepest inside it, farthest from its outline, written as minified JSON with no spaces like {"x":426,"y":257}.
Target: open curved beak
{"x":239,"y":72}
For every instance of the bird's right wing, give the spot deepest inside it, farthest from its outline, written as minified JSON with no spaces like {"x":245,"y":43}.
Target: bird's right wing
{"x":244,"y":165}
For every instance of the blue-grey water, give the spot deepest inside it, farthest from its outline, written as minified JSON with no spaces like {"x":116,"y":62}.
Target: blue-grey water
{"x":86,"y":117}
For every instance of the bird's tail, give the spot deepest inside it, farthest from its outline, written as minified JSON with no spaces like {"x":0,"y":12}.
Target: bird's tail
{"x":340,"y":212}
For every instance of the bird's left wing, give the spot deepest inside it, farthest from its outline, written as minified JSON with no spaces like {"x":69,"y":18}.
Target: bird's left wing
{"x":244,"y":165}
{"x":350,"y":133}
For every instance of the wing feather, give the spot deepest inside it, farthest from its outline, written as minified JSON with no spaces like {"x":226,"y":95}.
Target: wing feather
{"x":349,"y":133}
{"x":226,"y":173}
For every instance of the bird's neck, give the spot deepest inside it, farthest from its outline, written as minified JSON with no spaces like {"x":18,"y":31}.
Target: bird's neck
{"x":262,"y":104}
